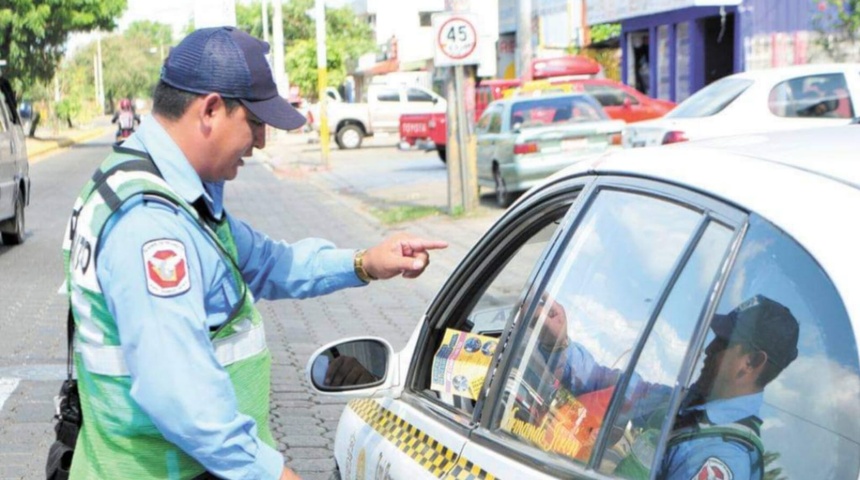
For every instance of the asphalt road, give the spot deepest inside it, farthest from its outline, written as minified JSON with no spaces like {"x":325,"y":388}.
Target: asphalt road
{"x":33,"y":313}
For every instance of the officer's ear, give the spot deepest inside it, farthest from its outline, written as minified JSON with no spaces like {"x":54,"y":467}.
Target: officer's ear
{"x":756,"y":359}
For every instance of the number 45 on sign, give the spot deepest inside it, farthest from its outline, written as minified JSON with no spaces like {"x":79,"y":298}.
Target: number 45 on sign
{"x":456,"y":39}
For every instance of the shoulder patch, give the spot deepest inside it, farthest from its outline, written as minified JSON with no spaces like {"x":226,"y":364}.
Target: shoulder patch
{"x":713,"y":469}
{"x":166,"y":267}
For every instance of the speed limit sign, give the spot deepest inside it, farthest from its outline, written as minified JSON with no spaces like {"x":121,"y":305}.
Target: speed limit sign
{"x":456,"y":38}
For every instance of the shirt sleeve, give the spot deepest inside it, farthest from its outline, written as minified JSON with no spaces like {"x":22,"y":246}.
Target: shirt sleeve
{"x":175,"y":377}
{"x":277,"y":269}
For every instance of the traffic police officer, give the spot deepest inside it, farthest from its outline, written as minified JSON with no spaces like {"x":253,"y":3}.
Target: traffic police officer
{"x":170,"y":350}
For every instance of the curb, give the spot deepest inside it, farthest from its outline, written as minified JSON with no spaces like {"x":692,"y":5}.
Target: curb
{"x":38,"y":149}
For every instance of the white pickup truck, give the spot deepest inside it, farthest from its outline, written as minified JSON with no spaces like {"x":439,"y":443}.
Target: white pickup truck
{"x":351,"y":122}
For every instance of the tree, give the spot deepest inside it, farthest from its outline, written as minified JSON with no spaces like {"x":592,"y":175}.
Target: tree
{"x":347,"y":38}
{"x":838,"y":23}
{"x":34,"y":33}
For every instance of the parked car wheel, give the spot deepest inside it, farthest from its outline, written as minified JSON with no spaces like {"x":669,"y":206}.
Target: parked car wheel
{"x":442,"y":153}
{"x":13,"y":229}
{"x":503,"y":197}
{"x":349,"y":137}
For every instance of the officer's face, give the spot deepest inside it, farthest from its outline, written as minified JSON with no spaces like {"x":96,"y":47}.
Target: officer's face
{"x":240,"y":133}
{"x":723,"y":364}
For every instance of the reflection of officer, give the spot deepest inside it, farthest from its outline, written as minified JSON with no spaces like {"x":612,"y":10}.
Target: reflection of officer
{"x":717,"y":431}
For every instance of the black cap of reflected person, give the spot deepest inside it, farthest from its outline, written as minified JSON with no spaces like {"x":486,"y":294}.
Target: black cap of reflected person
{"x":230,"y":62}
{"x":763,"y":323}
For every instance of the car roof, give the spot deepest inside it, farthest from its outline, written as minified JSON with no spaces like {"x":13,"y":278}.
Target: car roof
{"x":806,"y":182}
{"x":778,"y":73}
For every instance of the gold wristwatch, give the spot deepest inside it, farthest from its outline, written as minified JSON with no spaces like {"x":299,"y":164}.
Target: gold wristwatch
{"x":358,"y":265}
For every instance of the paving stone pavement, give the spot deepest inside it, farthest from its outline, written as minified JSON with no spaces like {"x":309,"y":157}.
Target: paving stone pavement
{"x":284,"y":207}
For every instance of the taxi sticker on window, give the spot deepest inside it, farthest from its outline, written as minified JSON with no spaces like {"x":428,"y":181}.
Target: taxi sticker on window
{"x":166,"y":267}
{"x":461,"y":363}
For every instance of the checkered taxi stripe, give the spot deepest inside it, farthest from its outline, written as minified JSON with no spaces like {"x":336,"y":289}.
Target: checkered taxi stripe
{"x":425,"y":450}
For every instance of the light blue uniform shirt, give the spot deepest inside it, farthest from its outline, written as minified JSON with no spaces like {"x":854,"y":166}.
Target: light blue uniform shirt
{"x":176,"y":378}
{"x":578,"y":371}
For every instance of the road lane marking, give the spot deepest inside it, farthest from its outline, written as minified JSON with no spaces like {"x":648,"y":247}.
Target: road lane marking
{"x":7,"y":386}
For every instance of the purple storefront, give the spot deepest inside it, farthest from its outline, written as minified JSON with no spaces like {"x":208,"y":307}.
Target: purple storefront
{"x":672,"y":48}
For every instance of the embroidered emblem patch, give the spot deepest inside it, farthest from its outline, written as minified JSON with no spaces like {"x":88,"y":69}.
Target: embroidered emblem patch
{"x":166,"y":268}
{"x":713,"y":469}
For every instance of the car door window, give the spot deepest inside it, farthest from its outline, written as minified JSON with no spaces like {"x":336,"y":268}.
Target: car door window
{"x":483,"y":123}
{"x":415,"y":95}
{"x":495,"y":122}
{"x":604,"y":289}
{"x":388,"y":95}
{"x":493,"y":286}
{"x":809,"y":412}
{"x":815,"y":96}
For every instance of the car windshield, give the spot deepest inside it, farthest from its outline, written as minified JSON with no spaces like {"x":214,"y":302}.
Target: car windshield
{"x":554,"y":110}
{"x":711,"y":99}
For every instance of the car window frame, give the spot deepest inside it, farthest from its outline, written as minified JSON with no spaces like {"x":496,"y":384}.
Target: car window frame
{"x":453,"y":299}
{"x":712,"y":209}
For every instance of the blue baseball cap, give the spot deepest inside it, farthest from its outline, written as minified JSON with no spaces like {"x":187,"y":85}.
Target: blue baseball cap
{"x":230,"y":62}
{"x":763,"y":323}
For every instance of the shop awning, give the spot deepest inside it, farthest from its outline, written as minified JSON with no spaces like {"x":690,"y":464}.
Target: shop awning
{"x":606,"y":11}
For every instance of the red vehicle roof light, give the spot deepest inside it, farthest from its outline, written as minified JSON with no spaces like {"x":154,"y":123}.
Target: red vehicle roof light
{"x":674,"y":136}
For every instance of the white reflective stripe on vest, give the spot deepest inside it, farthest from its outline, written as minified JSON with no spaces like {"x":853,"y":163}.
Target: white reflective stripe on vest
{"x":108,"y":360}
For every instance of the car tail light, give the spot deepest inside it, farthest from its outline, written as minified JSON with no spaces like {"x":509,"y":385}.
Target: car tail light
{"x":674,"y":136}
{"x":524,"y":148}
{"x":615,"y":139}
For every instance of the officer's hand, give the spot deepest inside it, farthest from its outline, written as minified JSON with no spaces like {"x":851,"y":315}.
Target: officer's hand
{"x":288,"y":474}
{"x":400,"y":254}
{"x":345,"y":370}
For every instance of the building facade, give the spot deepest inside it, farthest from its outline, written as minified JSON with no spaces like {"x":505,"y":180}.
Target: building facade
{"x":672,"y":48}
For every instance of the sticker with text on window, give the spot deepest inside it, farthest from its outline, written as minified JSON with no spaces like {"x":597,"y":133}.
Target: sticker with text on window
{"x":166,"y":267}
{"x":460,"y":365}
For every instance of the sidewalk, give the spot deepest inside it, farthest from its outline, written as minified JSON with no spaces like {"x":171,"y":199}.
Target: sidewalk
{"x":47,"y":141}
{"x":291,"y":156}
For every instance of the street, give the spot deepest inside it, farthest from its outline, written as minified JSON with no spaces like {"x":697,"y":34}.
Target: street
{"x":282,"y":192}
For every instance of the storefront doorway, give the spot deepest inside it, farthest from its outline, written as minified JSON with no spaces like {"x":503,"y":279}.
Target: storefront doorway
{"x":719,"y":44}
{"x":639,"y":63}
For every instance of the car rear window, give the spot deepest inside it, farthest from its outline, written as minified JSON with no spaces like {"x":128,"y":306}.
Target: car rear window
{"x":545,"y":111}
{"x":711,"y":99}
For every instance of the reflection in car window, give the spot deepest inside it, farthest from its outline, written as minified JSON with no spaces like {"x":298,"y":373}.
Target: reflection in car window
{"x":415,"y":95}
{"x":500,"y":295}
{"x":646,"y":409}
{"x":595,"y":307}
{"x":388,"y":96}
{"x":711,"y":99}
{"x":495,"y":122}
{"x":545,"y":111}
{"x":817,"y":96}
{"x":810,"y":412}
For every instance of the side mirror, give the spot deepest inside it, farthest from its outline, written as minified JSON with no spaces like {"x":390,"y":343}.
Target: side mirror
{"x":350,"y":365}
{"x":435,"y":100}
{"x":626,"y":103}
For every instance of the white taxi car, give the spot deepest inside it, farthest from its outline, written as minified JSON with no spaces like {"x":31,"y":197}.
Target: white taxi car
{"x":786,"y":98}
{"x":692,"y":313}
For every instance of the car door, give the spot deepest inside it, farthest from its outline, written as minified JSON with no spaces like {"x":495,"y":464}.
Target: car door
{"x":385,"y":108}
{"x":8,"y":166}
{"x":624,"y":293}
{"x":463,"y":327}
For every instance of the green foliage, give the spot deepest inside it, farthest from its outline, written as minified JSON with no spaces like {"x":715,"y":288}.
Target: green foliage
{"x":34,"y":33}
{"x":403,"y":213}
{"x":838,"y":22}
{"x":347,"y":38}
{"x":605,"y":31}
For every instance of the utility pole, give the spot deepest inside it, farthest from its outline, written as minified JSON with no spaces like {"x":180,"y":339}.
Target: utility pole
{"x":100,"y":85}
{"x":461,"y":143}
{"x":277,"y":52}
{"x":264,"y":7}
{"x":322,"y":80}
{"x":524,"y":39}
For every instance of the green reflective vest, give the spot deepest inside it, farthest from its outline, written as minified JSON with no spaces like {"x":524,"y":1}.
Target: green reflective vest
{"x":118,"y":440}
